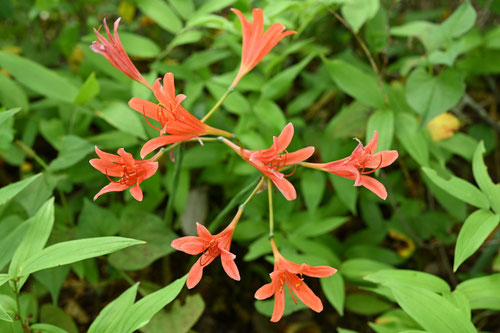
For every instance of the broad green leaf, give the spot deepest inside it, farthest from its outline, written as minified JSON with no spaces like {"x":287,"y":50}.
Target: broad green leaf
{"x":180,"y":318}
{"x":212,"y":6}
{"x":413,"y":278}
{"x":357,"y":269}
{"x":482,"y":292}
{"x":346,"y":191}
{"x":53,"y":315}
{"x":348,"y":78}
{"x":10,"y":241}
{"x":4,"y":278}
{"x":72,"y":149}
{"x":110,"y":318}
{"x":125,"y":119}
{"x":47,"y":328}
{"x":234,"y":103}
{"x":461,"y":21}
{"x":366,"y":304}
{"x":34,"y":240}
{"x":188,"y":37}
{"x":478,"y":226}
{"x":381,"y":121}
{"x":90,"y":221}
{"x":357,"y":12}
{"x":412,"y":138}
{"x":161,"y":13}
{"x":376,"y":32}
{"x":38,"y":78}
{"x":4,"y":315}
{"x":11,"y":190}
{"x":139,"y":46}
{"x":459,"y":188}
{"x":312,"y":184}
{"x":460,"y":144}
{"x":185,"y":8}
{"x":279,"y":84}
{"x":490,"y":189}
{"x":270,"y":114}
{"x":11,"y":94}
{"x":459,"y":300}
{"x":141,"y":312}
{"x":432,"y":311}
{"x":89,"y":90}
{"x":432,"y":95}
{"x":320,"y":227}
{"x":333,"y":287}
{"x":72,"y":251}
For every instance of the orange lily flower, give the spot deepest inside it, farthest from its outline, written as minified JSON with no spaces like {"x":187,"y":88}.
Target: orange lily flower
{"x":257,"y":43}
{"x":285,"y":273}
{"x":269,"y":161}
{"x":112,"y":49}
{"x":210,"y":246}
{"x":173,"y":118}
{"x":131,"y":172}
{"x":354,"y":166}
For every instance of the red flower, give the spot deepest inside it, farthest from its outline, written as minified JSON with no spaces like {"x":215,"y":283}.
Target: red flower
{"x":210,"y":246}
{"x":353,"y":167}
{"x":173,"y":118}
{"x":112,"y":49}
{"x":257,"y":43}
{"x":131,"y":172}
{"x":285,"y":272}
{"x":269,"y":161}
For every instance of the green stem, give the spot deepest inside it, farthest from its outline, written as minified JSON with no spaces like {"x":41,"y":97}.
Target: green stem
{"x":218,"y":104}
{"x":18,"y":304}
{"x":32,"y":154}
{"x":177,"y":172}
{"x":271,"y":211}
{"x":233,"y":203}
{"x":254,"y":192}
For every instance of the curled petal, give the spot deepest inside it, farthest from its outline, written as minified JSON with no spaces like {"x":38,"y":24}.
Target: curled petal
{"x":382,"y":159}
{"x":265,"y":291}
{"x":106,"y":167}
{"x":163,"y":140}
{"x":372,"y":145}
{"x":299,"y":155}
{"x":286,"y":188}
{"x":178,"y":243}
{"x":317,"y":271}
{"x":229,"y":265}
{"x":305,"y":294}
{"x":373,"y":185}
{"x":203,"y":231}
{"x":107,"y":156}
{"x":136,"y":192}
{"x":112,"y":187}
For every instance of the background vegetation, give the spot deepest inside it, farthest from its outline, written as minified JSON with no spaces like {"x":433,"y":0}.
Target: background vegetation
{"x":422,"y":73}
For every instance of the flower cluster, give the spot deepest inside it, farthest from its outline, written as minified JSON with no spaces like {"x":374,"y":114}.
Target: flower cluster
{"x":175,"y":124}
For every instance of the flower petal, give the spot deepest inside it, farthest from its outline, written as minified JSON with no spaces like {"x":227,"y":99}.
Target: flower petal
{"x":304,"y":293}
{"x":111,"y":187}
{"x":195,"y":274}
{"x":107,"y":156}
{"x":381,"y":159}
{"x":163,"y":141}
{"x":203,"y":231}
{"x":299,"y":155}
{"x":286,"y":188}
{"x":373,"y":185}
{"x":180,"y":242}
{"x":317,"y":271}
{"x":279,"y":306}
{"x":265,"y":291}
{"x":372,"y":145}
{"x":147,"y":108}
{"x":229,"y":265}
{"x":284,"y":139}
{"x":107,"y":167}
{"x":136,"y":192}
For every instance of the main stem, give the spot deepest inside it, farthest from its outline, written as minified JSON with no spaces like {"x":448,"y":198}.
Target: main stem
{"x":271,"y":211}
{"x":18,"y":304}
{"x":218,"y":104}
{"x":254,"y":192}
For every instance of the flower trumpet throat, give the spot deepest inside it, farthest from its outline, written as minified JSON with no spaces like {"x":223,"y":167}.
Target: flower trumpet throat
{"x":210,"y":246}
{"x":290,"y":275}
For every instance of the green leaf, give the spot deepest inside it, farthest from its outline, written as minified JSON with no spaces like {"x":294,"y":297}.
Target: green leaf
{"x":348,"y":78}
{"x":212,"y":6}
{"x":346,"y":192}
{"x":357,"y":12}
{"x":184,"y":7}
{"x":56,"y":316}
{"x":139,"y":315}
{"x":139,"y":46}
{"x":234,"y":103}
{"x":188,"y":37}
{"x":478,"y":226}
{"x":36,"y":77}
{"x":111,"y":317}
{"x":333,"y":287}
{"x":47,"y":328}
{"x":72,"y":251}
{"x":11,"y":190}
{"x":125,"y":119}
{"x":96,"y":221}
{"x":482,"y":292}
{"x":412,"y":138}
{"x":316,"y":228}
{"x":270,"y":114}
{"x":381,"y":121}
{"x":11,"y":94}
{"x":180,"y":318}
{"x":461,"y":21}
{"x":459,"y":188}
{"x":413,"y":278}
{"x":279,"y":84}
{"x":4,"y":315}
{"x":432,"y":95}
{"x":376,"y":32}
{"x":490,"y":189}
{"x":366,"y":304}
{"x":357,"y":269}
{"x":72,"y":149}
{"x":34,"y":240}
{"x":312,"y":184}
{"x":161,"y":13}
{"x":433,"y":312}
{"x":4,"y":278}
{"x":89,"y":90}
{"x":460,"y":144}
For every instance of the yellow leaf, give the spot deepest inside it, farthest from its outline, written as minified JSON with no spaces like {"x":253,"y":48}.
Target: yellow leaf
{"x":443,"y":126}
